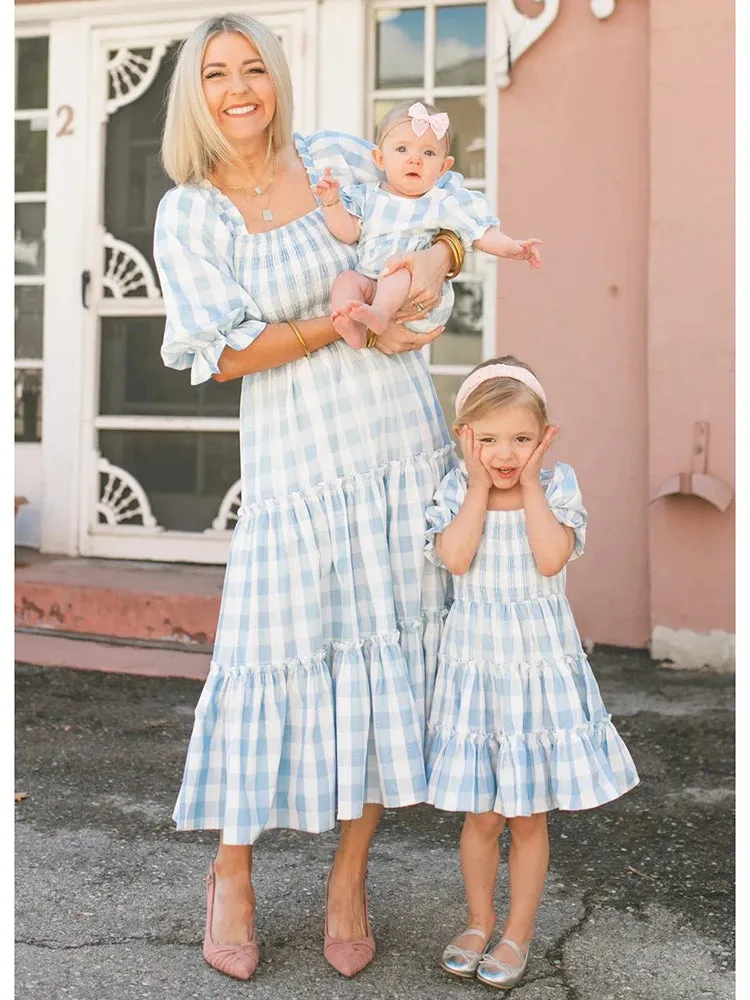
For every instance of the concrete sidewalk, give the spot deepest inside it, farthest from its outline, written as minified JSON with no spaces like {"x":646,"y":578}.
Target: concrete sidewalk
{"x":110,"y":900}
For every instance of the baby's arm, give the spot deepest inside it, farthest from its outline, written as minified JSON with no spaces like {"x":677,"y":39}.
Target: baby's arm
{"x":458,"y":543}
{"x":497,"y":244}
{"x":340,"y":223}
{"x":551,"y":542}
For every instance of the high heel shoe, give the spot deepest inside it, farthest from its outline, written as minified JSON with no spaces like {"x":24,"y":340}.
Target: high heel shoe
{"x":349,"y":957}
{"x":463,"y":962}
{"x":499,"y":974}
{"x":237,"y":960}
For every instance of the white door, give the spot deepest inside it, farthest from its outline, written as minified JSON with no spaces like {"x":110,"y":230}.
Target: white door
{"x":161,"y":457}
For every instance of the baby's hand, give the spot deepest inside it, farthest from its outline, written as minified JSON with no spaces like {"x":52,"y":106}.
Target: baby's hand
{"x":472,"y":452}
{"x":527,"y":250}
{"x":327,"y":189}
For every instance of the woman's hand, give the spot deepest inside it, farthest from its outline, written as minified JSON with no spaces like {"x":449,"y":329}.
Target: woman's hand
{"x":530,"y":472}
{"x":397,"y":339}
{"x":472,"y":453}
{"x":428,"y":269}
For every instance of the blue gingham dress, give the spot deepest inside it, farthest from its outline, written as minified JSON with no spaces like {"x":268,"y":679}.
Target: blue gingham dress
{"x":394,"y":225}
{"x":517,"y":723}
{"x":326,"y":649}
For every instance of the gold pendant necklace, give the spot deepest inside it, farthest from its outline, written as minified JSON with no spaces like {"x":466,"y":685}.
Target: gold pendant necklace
{"x":257,"y":190}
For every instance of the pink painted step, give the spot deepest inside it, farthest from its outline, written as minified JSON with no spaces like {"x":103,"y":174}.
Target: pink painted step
{"x":115,"y":598}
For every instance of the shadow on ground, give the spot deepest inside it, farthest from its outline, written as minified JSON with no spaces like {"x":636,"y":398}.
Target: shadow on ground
{"x":639,"y":901}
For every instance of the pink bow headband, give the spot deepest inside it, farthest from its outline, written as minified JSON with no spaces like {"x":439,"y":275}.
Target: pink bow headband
{"x":421,"y":120}
{"x":498,"y":371}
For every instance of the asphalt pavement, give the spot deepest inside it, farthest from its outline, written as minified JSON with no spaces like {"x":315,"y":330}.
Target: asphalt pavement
{"x":639,"y":903}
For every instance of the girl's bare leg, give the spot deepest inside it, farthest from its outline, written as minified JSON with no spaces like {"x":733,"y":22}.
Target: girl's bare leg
{"x":528,"y":861}
{"x":480,"y":857}
{"x":350,"y":288}
{"x":346,"y":915}
{"x":234,"y":899}
{"x":390,"y":294}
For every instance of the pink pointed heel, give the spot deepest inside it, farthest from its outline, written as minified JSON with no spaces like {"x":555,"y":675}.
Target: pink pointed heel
{"x":349,"y":957}
{"x":237,"y":960}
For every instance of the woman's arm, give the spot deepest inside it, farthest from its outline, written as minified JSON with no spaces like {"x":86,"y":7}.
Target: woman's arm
{"x":276,"y":345}
{"x":458,"y":543}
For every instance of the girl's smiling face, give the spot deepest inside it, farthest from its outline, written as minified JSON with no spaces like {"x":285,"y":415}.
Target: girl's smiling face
{"x":508,"y":436}
{"x":238,"y":89}
{"x":412,"y":163}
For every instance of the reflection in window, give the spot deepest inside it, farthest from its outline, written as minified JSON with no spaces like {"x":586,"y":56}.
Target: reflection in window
{"x":400,"y":48}
{"x":460,"y":46}
{"x":28,"y":411}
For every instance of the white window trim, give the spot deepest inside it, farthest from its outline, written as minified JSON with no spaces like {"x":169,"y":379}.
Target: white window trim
{"x":489,"y":182}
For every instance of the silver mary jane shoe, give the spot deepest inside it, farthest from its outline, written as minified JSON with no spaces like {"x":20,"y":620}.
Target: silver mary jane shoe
{"x":463,"y":962}
{"x":499,"y":974}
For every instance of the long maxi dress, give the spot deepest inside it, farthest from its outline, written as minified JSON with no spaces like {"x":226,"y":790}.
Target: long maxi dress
{"x":322,"y":672}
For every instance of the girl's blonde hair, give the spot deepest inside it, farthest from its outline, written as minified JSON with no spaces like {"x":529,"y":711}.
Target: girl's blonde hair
{"x":401,"y":110}
{"x":501,"y":391}
{"x":192,"y":143}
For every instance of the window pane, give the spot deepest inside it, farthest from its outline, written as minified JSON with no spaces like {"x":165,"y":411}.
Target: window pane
{"x":185,"y":476}
{"x":134,"y":181}
{"x":29,"y":320}
{"x":461,"y":343}
{"x":447,"y":387}
{"x":467,"y":124}
{"x":400,"y":48}
{"x":133,"y":379}
{"x":31,"y":155}
{"x":29,"y":239}
{"x":32,"y":61}
{"x":460,"y":46}
{"x":28,"y":405}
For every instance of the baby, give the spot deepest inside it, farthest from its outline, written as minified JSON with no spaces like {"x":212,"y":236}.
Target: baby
{"x":402,"y":215}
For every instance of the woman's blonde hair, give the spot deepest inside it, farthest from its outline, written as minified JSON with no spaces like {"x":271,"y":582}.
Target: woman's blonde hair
{"x":192,"y":143}
{"x":501,"y":391}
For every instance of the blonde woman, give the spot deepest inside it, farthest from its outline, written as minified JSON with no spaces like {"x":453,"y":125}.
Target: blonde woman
{"x":314,"y":708}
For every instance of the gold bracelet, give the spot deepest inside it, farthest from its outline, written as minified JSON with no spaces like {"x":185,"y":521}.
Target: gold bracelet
{"x":372,"y":338}
{"x":299,"y":337}
{"x":456,"y":248}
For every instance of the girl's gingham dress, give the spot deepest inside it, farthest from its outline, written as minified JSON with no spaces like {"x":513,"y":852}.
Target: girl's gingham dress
{"x":325,"y":655}
{"x":517,"y":724}
{"x":395,"y":225}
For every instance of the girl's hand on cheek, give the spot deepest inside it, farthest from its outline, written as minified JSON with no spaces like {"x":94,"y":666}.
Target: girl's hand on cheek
{"x":472,"y":452}
{"x":530,"y":472}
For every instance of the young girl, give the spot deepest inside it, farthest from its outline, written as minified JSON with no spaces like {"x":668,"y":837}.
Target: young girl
{"x":401,"y":215}
{"x":517,"y":725}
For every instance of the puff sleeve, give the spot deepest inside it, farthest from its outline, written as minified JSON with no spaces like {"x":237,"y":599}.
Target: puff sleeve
{"x":467,"y":213}
{"x":566,"y":503}
{"x":446,"y":503}
{"x":207,"y":310}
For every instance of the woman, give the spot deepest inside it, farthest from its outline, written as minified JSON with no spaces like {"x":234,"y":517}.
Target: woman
{"x":315,"y":704}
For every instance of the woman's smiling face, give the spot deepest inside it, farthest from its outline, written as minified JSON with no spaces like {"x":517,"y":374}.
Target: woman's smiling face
{"x":238,"y":89}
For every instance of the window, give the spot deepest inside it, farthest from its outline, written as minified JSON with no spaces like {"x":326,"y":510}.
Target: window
{"x":435,"y":51}
{"x":32,"y":61}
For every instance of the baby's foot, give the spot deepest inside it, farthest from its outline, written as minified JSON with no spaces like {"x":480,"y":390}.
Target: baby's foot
{"x":369,"y":316}
{"x":354,"y":334}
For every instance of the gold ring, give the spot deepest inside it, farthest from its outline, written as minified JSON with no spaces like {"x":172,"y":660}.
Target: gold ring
{"x":418,"y":306}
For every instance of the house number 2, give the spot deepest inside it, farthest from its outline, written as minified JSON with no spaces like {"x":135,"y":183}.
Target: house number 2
{"x":66,"y":114}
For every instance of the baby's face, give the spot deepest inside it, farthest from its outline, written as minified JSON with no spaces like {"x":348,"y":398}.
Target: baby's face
{"x":412,"y":163}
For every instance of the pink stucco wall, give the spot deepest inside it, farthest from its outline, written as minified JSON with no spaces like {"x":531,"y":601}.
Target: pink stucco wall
{"x":616,"y":148}
{"x":574,"y":171}
{"x":691,"y":293}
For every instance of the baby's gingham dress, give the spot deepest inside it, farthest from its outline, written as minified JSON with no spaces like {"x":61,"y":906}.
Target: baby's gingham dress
{"x":326,"y":650}
{"x":517,"y":724}
{"x":393,"y":225}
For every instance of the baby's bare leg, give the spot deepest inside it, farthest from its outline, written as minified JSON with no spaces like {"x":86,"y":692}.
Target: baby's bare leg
{"x":390,"y":294}
{"x":350,"y":288}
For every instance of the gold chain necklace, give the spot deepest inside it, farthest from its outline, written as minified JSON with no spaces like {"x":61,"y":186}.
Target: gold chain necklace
{"x":256,"y":191}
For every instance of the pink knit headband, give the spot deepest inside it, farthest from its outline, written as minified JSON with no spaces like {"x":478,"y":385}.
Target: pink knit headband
{"x":498,"y":371}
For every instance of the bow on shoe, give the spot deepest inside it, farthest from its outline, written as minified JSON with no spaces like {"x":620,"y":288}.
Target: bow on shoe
{"x":421,"y":120}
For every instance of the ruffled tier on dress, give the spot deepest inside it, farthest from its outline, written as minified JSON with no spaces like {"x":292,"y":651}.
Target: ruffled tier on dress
{"x":326,"y":652}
